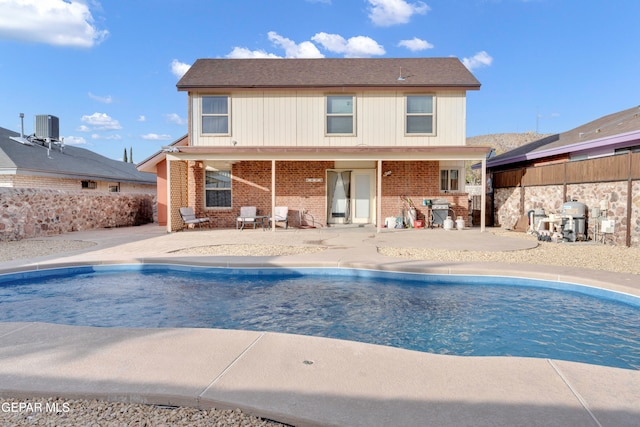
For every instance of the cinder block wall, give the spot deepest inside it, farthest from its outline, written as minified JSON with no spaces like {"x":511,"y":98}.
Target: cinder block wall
{"x":30,"y":212}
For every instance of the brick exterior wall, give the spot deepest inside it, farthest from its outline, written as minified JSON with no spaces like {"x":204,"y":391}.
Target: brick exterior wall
{"x":30,"y":212}
{"x":179,"y":191}
{"x":293,"y":190}
{"x":251,"y":186}
{"x":416,"y":180}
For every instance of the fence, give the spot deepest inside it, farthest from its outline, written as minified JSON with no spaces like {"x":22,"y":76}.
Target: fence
{"x":614,"y":179}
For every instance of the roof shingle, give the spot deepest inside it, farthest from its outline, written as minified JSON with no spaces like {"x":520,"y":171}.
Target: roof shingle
{"x":73,"y":162}
{"x":328,"y":72}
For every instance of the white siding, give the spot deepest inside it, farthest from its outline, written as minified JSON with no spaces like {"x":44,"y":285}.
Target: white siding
{"x":297,"y":118}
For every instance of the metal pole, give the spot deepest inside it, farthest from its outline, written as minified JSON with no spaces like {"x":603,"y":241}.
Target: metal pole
{"x":379,"y":198}
{"x":483,"y":195}
{"x":273,"y":195}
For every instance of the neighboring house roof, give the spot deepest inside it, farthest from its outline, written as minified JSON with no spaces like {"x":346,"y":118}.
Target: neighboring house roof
{"x":599,"y":137}
{"x":72,"y":162}
{"x":328,"y":72}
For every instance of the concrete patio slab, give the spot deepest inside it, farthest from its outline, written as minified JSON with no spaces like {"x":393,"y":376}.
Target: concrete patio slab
{"x":306,"y":380}
{"x":296,"y":378}
{"x":168,"y":366}
{"x":611,"y":395}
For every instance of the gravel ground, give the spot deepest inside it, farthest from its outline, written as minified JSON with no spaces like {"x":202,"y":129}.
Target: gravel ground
{"x":250,"y":250}
{"x":619,"y":259}
{"x":61,"y":412}
{"x":32,"y":248}
{"x":100,"y":413}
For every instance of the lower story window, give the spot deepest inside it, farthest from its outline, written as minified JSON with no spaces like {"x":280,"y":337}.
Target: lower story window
{"x":217,"y":185}
{"x":449,"y":180}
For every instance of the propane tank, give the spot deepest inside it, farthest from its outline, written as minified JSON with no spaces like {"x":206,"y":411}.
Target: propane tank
{"x":448,"y":224}
{"x":460,"y":223}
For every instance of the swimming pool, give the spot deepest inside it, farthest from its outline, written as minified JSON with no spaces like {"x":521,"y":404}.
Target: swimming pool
{"x":445,"y":314}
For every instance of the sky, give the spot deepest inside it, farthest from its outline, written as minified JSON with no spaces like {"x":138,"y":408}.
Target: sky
{"x":108,"y":69}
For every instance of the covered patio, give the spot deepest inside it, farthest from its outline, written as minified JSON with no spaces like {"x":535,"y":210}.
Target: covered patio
{"x":297,"y":177}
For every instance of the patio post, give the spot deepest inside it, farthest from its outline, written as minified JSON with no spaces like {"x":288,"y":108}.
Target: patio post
{"x":273,"y":195}
{"x":483,"y":195}
{"x":168,"y":185}
{"x":379,"y":198}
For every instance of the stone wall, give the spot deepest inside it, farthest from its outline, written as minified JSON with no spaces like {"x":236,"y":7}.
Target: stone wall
{"x":28,"y":213}
{"x":551,"y":198}
{"x":506,"y":202}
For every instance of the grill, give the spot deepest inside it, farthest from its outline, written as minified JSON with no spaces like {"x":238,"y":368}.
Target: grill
{"x":440,"y":211}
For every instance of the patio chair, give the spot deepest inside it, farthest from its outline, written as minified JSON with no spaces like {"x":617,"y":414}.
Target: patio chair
{"x":281,"y":214}
{"x":247,"y":215}
{"x":189,"y":217}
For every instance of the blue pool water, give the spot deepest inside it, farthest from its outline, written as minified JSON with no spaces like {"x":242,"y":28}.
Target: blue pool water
{"x":460,"y":315}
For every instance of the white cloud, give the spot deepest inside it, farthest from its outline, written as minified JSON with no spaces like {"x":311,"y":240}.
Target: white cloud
{"x":179,"y":68}
{"x":480,"y":59}
{"x":292,"y":49}
{"x":243,"y":52}
{"x":74,"y":140}
{"x":355,"y":47}
{"x":83,"y":128}
{"x":142,"y":119}
{"x":107,"y":137}
{"x":156,"y":137}
{"x":415,"y":44}
{"x":101,"y":121}
{"x":385,"y":13}
{"x":104,"y":99}
{"x":174,"y":118}
{"x":54,"y":22}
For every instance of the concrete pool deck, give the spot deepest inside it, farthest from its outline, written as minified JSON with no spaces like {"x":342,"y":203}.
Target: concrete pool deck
{"x":307,"y":380}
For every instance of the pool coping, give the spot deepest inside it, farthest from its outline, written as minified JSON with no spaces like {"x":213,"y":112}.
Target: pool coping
{"x":348,"y":383}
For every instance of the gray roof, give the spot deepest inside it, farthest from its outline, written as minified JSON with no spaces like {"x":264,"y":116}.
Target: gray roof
{"x":328,"y":72}
{"x":613,"y":131}
{"x":72,"y":162}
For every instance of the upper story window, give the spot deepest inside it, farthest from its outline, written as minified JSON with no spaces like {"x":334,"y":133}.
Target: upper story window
{"x":217,"y":186}
{"x":215,"y":115}
{"x":340,"y":115}
{"x":419,"y":114}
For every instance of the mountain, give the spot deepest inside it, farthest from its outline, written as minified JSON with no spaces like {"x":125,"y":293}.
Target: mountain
{"x":502,"y":142}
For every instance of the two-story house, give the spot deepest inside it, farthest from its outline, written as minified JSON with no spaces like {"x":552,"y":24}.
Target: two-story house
{"x":337,"y":141}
